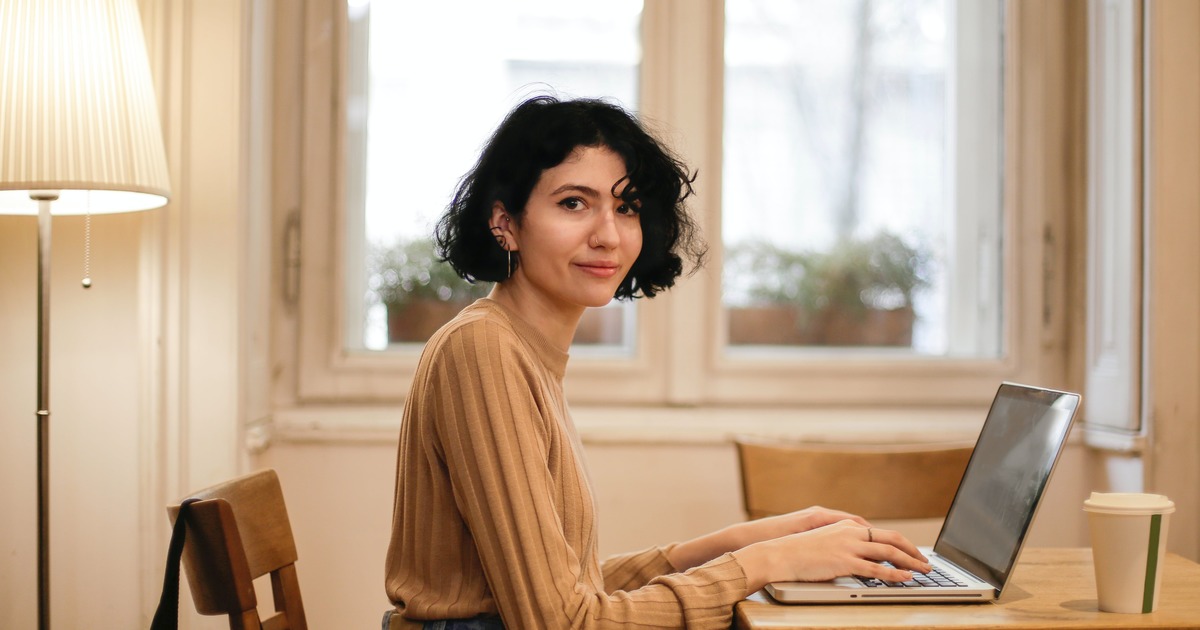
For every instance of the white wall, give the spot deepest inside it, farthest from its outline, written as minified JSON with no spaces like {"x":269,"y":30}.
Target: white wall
{"x":94,"y":428}
{"x":1173,"y":407}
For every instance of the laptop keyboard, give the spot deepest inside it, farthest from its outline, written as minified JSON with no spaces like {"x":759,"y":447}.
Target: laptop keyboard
{"x":935,"y":578}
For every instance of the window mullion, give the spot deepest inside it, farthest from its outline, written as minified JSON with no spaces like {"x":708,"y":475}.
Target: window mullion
{"x":975,"y":315}
{"x":682,"y":82}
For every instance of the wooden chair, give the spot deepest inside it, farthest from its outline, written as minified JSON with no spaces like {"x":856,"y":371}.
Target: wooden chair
{"x":236,"y":532}
{"x":875,"y":481}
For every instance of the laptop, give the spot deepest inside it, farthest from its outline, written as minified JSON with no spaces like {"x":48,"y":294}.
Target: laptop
{"x":990,"y":516}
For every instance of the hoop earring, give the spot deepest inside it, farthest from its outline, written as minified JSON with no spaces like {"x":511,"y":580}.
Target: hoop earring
{"x":509,"y":262}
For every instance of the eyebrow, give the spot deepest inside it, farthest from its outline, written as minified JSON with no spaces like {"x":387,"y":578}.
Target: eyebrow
{"x":587,"y":190}
{"x":581,"y":188}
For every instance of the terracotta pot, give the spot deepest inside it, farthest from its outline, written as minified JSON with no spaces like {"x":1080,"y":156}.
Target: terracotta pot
{"x":787,"y":325}
{"x":838,"y":326}
{"x":600,"y":326}
{"x":417,"y":321}
{"x":765,"y":325}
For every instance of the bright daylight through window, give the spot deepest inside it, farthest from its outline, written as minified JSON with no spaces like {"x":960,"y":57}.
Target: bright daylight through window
{"x":860,"y":207}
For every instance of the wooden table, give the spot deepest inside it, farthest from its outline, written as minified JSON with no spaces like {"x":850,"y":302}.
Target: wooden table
{"x":1035,"y":598}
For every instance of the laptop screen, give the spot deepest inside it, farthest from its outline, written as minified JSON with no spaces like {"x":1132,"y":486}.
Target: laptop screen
{"x":1004,"y":481}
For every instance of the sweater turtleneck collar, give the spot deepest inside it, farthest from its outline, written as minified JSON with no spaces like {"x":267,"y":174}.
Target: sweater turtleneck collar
{"x":553,"y":358}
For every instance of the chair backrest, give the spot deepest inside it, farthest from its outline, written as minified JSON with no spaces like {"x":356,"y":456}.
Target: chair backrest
{"x":875,"y":481}
{"x":238,"y":531}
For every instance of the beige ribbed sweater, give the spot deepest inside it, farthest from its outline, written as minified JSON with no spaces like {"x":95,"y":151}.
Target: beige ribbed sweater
{"x":494,"y":511}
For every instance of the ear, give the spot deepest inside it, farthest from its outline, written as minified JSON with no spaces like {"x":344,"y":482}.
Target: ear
{"x":501,"y":224}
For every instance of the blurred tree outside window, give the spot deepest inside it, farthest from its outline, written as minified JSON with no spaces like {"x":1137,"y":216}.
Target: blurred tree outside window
{"x":861,"y":182}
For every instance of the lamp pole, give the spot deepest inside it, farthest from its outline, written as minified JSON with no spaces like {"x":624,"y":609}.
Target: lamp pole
{"x":43,"y":404}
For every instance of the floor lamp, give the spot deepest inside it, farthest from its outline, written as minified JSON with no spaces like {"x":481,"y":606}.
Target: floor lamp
{"x":79,"y":134}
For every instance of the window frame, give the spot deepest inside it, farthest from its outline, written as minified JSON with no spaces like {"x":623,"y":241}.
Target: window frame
{"x":682,"y":82}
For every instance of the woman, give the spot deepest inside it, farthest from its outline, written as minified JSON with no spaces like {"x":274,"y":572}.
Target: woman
{"x":570,"y":204}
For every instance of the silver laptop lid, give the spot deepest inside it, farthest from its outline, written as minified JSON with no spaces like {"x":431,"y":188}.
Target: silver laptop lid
{"x":1003,"y":484}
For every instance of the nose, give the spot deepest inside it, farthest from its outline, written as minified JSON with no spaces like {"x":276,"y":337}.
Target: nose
{"x":604,"y":233}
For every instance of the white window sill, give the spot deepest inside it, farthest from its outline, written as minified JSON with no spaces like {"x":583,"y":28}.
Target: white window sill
{"x":655,"y":425}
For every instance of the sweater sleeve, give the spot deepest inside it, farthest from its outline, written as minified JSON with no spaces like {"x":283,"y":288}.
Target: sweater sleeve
{"x":628,"y":571}
{"x":493,"y":430}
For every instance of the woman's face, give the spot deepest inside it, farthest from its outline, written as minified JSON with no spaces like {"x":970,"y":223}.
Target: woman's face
{"x":576,"y":240}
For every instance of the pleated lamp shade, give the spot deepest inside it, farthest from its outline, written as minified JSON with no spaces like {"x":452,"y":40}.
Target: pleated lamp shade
{"x":77,"y":108}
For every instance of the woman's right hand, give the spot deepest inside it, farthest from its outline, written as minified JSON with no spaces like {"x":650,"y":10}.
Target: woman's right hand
{"x":836,"y":550}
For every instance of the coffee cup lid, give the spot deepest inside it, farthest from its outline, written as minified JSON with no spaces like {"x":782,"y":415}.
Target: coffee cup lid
{"x":1132,"y":503}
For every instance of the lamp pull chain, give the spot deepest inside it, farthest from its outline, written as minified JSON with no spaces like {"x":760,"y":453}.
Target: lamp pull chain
{"x":87,"y":245}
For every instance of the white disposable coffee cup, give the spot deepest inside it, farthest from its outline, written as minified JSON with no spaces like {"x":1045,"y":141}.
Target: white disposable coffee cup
{"x":1129,"y":538}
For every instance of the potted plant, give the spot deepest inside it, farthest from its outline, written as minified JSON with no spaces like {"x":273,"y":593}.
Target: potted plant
{"x":419,"y":291}
{"x":859,"y":292}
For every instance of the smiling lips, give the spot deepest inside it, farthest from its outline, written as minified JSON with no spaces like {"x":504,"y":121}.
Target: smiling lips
{"x":599,"y":269}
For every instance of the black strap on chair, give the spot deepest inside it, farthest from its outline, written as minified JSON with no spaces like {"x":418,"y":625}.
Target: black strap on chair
{"x":167,"y":615}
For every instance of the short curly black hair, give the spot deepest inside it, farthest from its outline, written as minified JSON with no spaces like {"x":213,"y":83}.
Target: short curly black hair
{"x":539,"y":134}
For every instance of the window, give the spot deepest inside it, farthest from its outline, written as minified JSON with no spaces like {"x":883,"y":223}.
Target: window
{"x":421,"y":98}
{"x":853,"y":213}
{"x":951,"y":126}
